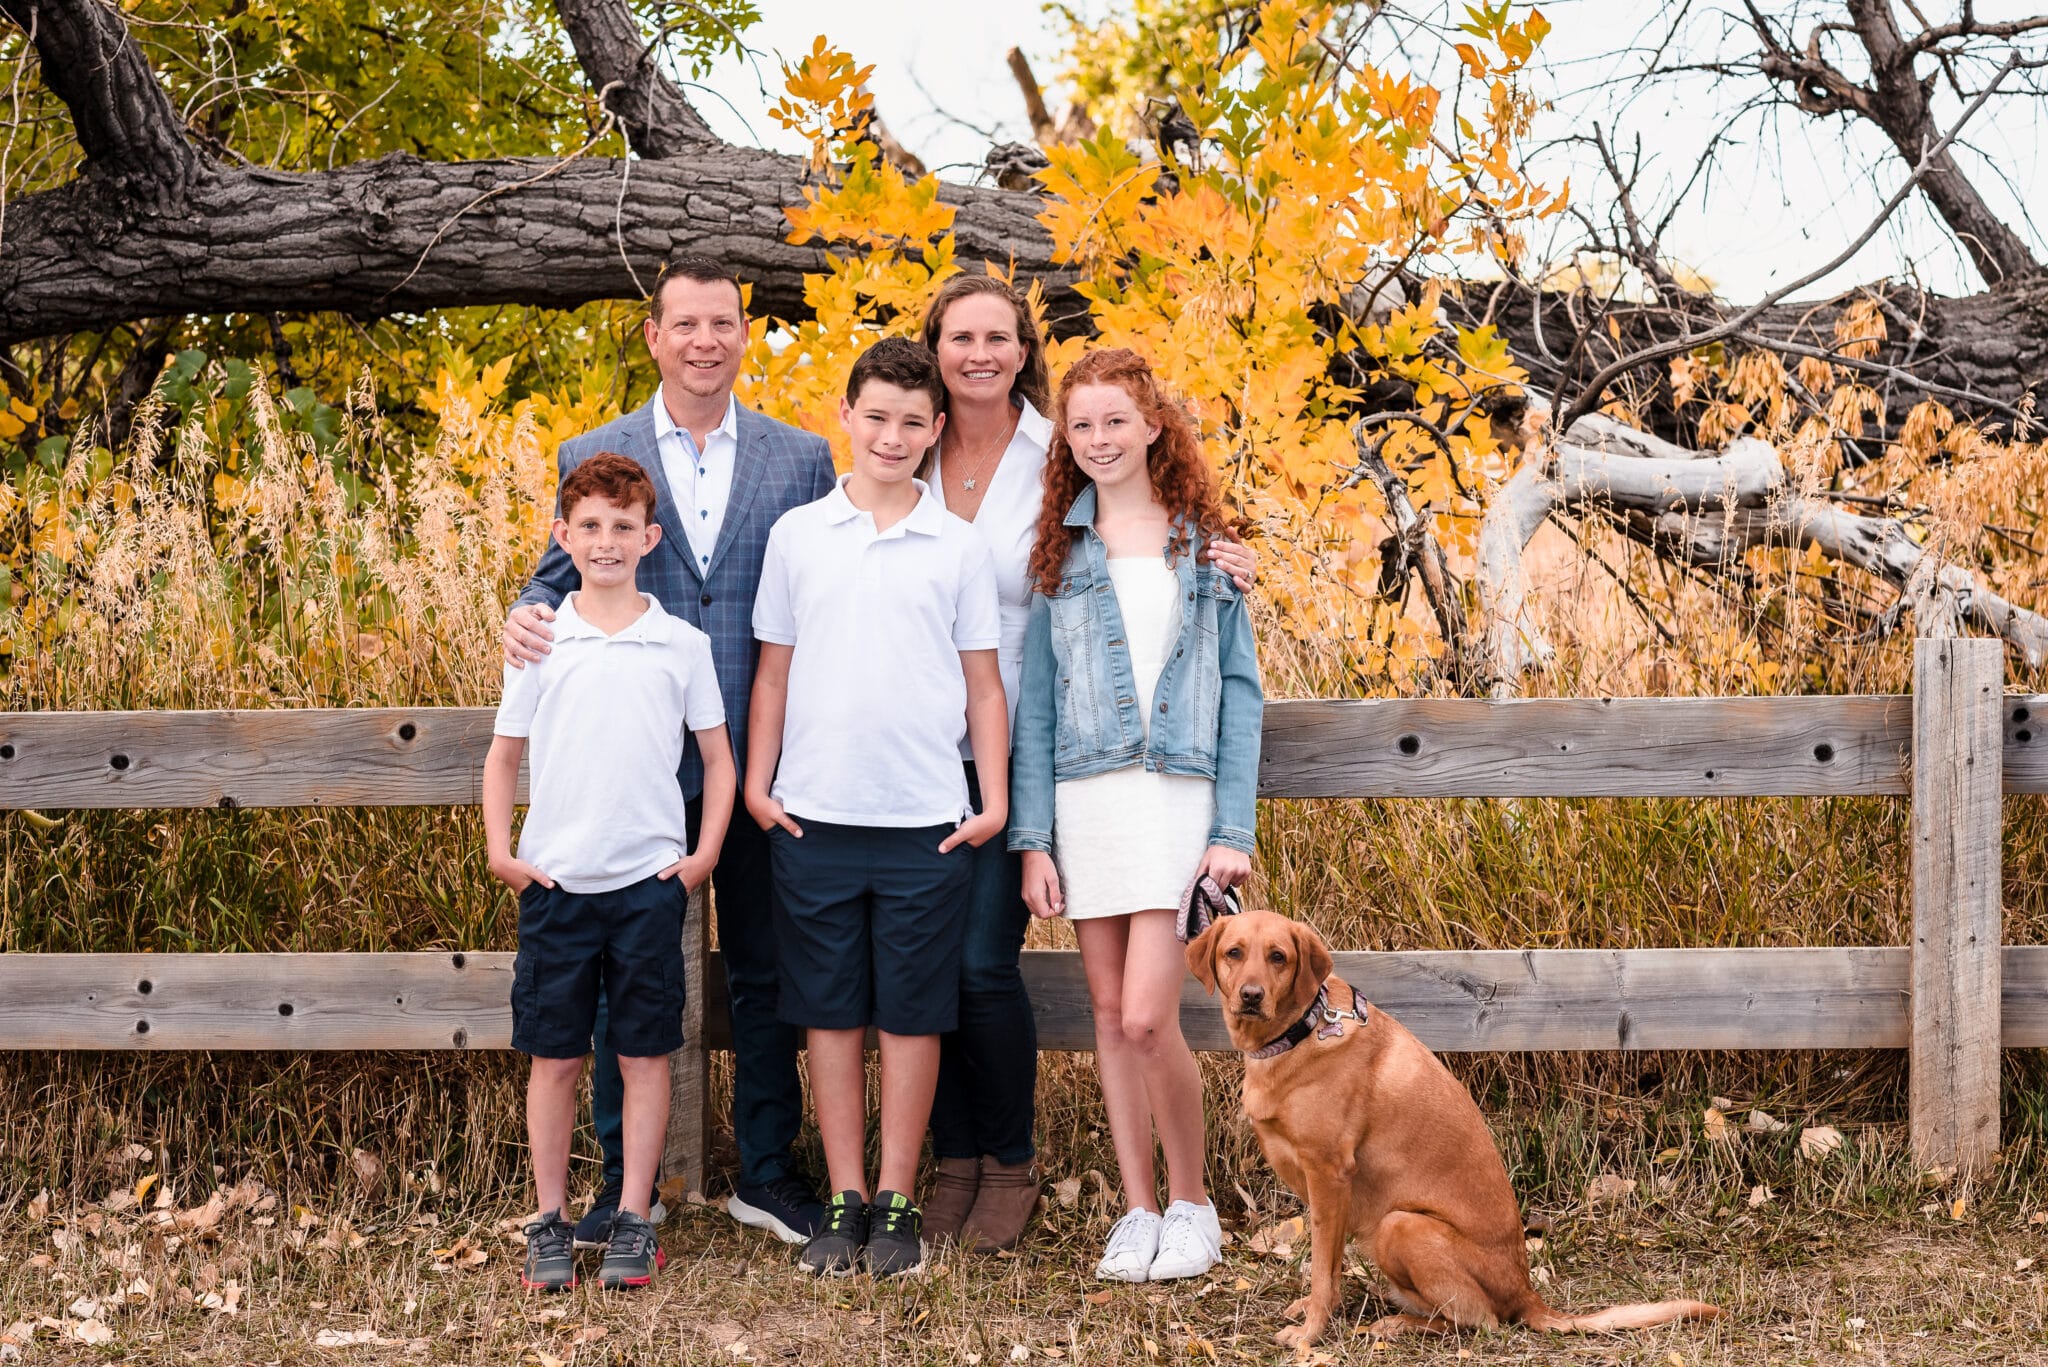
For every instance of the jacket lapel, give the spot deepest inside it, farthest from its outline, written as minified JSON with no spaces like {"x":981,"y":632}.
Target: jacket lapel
{"x":643,"y":446}
{"x":749,"y":468}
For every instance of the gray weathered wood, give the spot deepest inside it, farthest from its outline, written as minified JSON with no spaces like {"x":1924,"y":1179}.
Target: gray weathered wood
{"x":1957,"y":927}
{"x":689,"y":1079}
{"x":312,"y":757}
{"x":1530,"y":747}
{"x":1463,"y":1001}
{"x":1456,"y":1000}
{"x":239,"y":1001}
{"x":1571,"y":747}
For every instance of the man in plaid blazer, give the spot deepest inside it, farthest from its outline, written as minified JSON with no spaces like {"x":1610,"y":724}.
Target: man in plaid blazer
{"x":722,"y":476}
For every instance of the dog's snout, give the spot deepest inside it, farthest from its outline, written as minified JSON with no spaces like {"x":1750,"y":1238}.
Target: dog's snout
{"x":1251,"y":994}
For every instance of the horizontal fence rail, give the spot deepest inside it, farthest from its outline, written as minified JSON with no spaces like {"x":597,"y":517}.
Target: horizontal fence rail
{"x":1453,"y":747}
{"x":1456,"y":1001}
{"x":1949,"y":997}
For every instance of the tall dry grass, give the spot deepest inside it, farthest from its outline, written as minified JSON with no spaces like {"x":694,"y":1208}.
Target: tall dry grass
{"x":251,"y":565}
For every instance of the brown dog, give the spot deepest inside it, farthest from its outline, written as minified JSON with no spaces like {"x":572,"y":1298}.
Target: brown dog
{"x":1372,"y":1130}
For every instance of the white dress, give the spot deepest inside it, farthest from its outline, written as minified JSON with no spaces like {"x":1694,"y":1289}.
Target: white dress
{"x":1129,"y":840}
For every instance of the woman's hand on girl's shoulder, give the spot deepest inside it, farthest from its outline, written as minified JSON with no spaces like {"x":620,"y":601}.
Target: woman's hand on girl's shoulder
{"x":1235,"y":559}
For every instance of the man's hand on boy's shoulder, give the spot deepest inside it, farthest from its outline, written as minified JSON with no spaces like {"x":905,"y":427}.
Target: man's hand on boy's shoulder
{"x":527,"y":637}
{"x":517,"y":874}
{"x":975,"y":830}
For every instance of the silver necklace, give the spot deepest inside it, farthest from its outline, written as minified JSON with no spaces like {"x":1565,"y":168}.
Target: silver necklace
{"x":981,"y":466}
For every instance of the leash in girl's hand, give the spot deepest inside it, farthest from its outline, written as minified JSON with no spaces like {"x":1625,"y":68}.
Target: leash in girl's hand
{"x":1204,"y":900}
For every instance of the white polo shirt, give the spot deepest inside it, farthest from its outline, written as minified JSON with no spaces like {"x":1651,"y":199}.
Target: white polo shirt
{"x":604,"y":718}
{"x":1008,"y":521}
{"x":699,"y":476}
{"x":877,"y":701}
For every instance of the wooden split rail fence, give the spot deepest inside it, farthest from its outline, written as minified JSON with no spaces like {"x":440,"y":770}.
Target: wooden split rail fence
{"x":1952,"y":998}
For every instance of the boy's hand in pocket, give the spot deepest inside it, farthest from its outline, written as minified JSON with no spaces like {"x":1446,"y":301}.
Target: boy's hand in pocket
{"x":768,"y":814}
{"x":692,"y":870}
{"x":518,"y":875}
{"x":975,"y":830}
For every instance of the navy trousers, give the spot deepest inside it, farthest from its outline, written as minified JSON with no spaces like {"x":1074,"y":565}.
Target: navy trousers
{"x":767,"y":1095}
{"x":988,"y":1067}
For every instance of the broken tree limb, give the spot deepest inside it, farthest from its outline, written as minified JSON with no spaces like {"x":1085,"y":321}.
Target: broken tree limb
{"x":1707,"y":511}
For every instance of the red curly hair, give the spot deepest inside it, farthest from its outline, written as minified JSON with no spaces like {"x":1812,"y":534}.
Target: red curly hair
{"x":1181,"y":478}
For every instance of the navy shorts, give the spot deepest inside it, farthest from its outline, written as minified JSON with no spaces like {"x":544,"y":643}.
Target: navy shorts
{"x":628,"y":943}
{"x":869,"y":923}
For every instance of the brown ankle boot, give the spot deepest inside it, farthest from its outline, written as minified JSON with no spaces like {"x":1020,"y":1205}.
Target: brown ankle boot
{"x":954,"y":1184}
{"x":1003,"y":1206}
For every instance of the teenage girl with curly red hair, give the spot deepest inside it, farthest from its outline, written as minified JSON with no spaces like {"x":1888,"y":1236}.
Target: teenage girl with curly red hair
{"x":1134,"y":765}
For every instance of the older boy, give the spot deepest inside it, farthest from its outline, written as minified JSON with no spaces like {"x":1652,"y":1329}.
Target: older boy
{"x":603,"y":869}
{"x":878,"y":621}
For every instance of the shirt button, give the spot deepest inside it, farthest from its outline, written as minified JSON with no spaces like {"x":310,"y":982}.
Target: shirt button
{"x":707,"y":600}
{"x":1162,"y":709}
{"x":1191,"y":597}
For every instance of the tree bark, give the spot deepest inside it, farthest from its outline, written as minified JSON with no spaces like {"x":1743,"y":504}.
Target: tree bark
{"x":131,"y":136}
{"x":657,"y":118}
{"x":402,"y":235}
{"x":1994,"y":345}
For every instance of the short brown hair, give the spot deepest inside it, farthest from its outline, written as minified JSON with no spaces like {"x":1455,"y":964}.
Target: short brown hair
{"x":611,"y":477}
{"x":1032,"y":382}
{"x":707,"y":270}
{"x":899,"y":361}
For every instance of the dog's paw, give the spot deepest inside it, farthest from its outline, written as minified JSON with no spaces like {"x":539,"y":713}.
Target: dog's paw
{"x":1296,"y":1310}
{"x":1299,"y":1337}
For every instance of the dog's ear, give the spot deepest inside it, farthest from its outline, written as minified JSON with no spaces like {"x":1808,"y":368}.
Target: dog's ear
{"x":1201,"y":953}
{"x":1316,"y":962}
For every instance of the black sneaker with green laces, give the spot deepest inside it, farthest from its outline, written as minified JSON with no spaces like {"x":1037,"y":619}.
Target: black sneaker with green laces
{"x":834,"y":1251}
{"x":550,"y":1254}
{"x":895,"y":1235}
{"x":632,"y":1256}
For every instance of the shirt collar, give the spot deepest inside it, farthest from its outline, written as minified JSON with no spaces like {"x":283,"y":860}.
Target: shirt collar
{"x":1034,"y":424}
{"x":653,"y":625}
{"x":928,"y":517}
{"x":664,"y":424}
{"x":1082,"y":513}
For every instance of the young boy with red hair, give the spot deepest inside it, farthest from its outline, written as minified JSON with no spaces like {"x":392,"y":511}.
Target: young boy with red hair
{"x":603,"y":869}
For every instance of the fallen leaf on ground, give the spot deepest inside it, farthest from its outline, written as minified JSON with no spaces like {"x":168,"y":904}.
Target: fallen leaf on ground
{"x":1278,"y":1240}
{"x":1959,"y":1209}
{"x":547,"y":1359}
{"x":142,"y":1187}
{"x":1763,"y":1122}
{"x":1818,"y":1141}
{"x":343,"y":1338}
{"x":589,"y":1333}
{"x":85,"y":1307}
{"x":1067,"y":1190}
{"x":203,"y":1218}
{"x":1019,"y":1353}
{"x":1607,"y":1188}
{"x":1099,"y":1297}
{"x":2039,"y":1217}
{"x":367,"y":1166}
{"x":1758,"y":1195}
{"x":723,"y":1332}
{"x":39,"y":1205}
{"x":90,"y":1331}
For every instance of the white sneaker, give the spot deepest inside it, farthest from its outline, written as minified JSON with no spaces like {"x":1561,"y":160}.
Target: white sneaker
{"x":1133,"y":1243}
{"x":1190,"y":1242}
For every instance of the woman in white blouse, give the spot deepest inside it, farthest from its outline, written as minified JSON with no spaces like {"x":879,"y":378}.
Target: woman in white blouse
{"x":989,"y":467}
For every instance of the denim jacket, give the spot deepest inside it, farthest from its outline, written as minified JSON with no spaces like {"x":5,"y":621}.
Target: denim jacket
{"x":1077,"y":706}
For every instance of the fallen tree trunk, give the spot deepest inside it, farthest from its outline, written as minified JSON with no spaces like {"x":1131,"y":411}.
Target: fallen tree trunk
{"x":1993,"y":344}
{"x":1706,"y":511}
{"x":403,"y":235}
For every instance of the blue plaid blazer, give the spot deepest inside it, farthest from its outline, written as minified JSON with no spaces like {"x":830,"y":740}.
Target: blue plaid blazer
{"x":777,"y":468}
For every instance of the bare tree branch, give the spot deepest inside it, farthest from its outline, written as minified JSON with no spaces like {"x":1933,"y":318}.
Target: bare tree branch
{"x":620,"y":65}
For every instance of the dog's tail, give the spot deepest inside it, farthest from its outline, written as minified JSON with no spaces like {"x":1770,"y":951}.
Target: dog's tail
{"x":1643,"y":1315}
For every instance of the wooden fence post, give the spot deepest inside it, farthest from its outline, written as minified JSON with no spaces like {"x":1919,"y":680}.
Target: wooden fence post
{"x":689,"y":1097}
{"x":1958,"y":743}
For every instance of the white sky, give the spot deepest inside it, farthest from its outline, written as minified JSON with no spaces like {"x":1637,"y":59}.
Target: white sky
{"x":1788,"y":195}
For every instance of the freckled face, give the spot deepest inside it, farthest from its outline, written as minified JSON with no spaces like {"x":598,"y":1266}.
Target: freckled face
{"x":1108,"y":434}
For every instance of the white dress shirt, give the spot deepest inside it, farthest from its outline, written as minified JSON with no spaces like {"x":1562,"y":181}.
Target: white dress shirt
{"x":699,"y":475}
{"x":1008,"y":523}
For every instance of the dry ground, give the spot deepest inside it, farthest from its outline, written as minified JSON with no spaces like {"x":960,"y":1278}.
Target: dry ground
{"x":258,"y":1278}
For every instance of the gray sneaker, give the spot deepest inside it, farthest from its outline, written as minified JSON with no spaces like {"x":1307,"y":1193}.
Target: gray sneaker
{"x":633,"y":1255}
{"x":550,"y":1254}
{"x":834,"y":1251}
